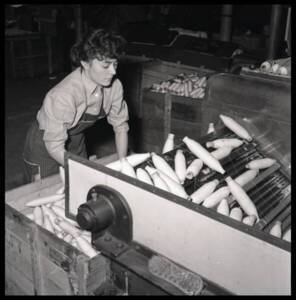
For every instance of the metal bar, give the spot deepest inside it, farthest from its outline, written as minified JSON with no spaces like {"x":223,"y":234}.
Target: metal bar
{"x":271,"y":186}
{"x":269,"y":206}
{"x":281,"y":217}
{"x":271,"y":215}
{"x":254,"y":192}
{"x":285,"y":214}
{"x":266,"y":173}
{"x":269,"y":203}
{"x":286,"y":223}
{"x":231,"y":200}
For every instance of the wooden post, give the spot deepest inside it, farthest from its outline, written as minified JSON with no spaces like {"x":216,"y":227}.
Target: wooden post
{"x":31,"y":62}
{"x":226,"y":23}
{"x":11,"y":46}
{"x":78,"y":22}
{"x":274,"y":37}
{"x":49,"y":54}
{"x":167,"y":115}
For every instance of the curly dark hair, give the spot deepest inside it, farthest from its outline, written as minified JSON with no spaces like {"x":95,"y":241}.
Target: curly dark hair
{"x":100,"y":44}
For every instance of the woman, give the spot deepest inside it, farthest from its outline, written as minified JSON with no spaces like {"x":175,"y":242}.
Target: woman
{"x":86,"y":95}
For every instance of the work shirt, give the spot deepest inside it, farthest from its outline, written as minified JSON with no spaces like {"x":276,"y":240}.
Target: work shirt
{"x":75,"y":95}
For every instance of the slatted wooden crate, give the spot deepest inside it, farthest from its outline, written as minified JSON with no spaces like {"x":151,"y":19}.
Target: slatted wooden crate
{"x":159,"y":113}
{"x":38,"y":262}
{"x":158,"y":70}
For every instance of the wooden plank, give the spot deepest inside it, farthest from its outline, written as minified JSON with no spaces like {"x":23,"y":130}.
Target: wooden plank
{"x":185,"y":128}
{"x":55,"y":281}
{"x":18,"y":253}
{"x":99,"y":272}
{"x":31,"y":64}
{"x":186,"y":110}
{"x":167,"y":116}
{"x":147,"y":147}
{"x":106,"y":159}
{"x":16,"y":283}
{"x":154,"y":137}
{"x":31,"y":188}
{"x":18,"y":224}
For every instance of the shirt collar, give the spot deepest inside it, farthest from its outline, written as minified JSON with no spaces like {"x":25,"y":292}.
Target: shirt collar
{"x":90,"y":86}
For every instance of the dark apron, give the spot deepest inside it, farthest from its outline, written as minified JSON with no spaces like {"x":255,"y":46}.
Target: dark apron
{"x":38,"y":163}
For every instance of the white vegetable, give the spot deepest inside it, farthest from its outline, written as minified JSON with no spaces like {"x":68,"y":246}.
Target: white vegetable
{"x":211,"y":128}
{"x":61,"y":190}
{"x":260,"y":163}
{"x":143,"y":176}
{"x":216,"y":197}
{"x":246,"y":177}
{"x":235,"y":127}
{"x":62,"y":174}
{"x":223,"y":207}
{"x":159,"y":182}
{"x":180,"y":165}
{"x":59,"y":211}
{"x":169,"y":143}
{"x":241,"y":197}
{"x":174,"y":187}
{"x":162,"y":165}
{"x":126,"y":168}
{"x":236,"y":213}
{"x":38,"y":215}
{"x":85,"y":246}
{"x":199,"y":151}
{"x":249,"y":220}
{"x":67,"y":227}
{"x":47,"y":224}
{"x":276,"y":229}
{"x":287,"y":235}
{"x":233,"y":143}
{"x":204,"y":191}
{"x":194,"y":168}
{"x":221,"y":152}
{"x":44,"y":200}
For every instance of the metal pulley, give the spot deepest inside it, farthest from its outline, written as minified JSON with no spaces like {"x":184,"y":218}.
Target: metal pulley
{"x":107,"y":215}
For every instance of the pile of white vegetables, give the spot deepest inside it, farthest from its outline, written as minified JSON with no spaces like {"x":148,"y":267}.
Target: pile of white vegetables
{"x":191,"y":85}
{"x":49,"y":212}
{"x":163,"y":176}
{"x":277,"y":68}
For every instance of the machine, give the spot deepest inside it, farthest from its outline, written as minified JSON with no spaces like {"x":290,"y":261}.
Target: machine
{"x":183,"y":247}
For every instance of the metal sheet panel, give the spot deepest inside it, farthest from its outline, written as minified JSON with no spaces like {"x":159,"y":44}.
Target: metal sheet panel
{"x":235,"y":260}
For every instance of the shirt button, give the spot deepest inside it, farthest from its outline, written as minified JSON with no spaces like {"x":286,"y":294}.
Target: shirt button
{"x":96,"y":94}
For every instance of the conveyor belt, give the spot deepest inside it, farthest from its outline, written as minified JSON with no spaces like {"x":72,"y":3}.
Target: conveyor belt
{"x":270,"y":190}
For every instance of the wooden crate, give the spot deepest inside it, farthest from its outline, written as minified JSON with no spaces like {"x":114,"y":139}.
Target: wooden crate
{"x":138,"y":76}
{"x":157,"y":71}
{"x":39,"y":263}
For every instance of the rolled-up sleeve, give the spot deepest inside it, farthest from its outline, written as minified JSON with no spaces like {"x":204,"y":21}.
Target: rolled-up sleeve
{"x":118,"y":115}
{"x":55,"y":117}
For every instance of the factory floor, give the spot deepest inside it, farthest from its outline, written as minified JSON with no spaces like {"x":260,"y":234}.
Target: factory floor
{"x":23,"y":98}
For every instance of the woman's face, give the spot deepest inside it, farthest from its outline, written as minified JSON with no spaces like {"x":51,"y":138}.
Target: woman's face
{"x":101,"y":71}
